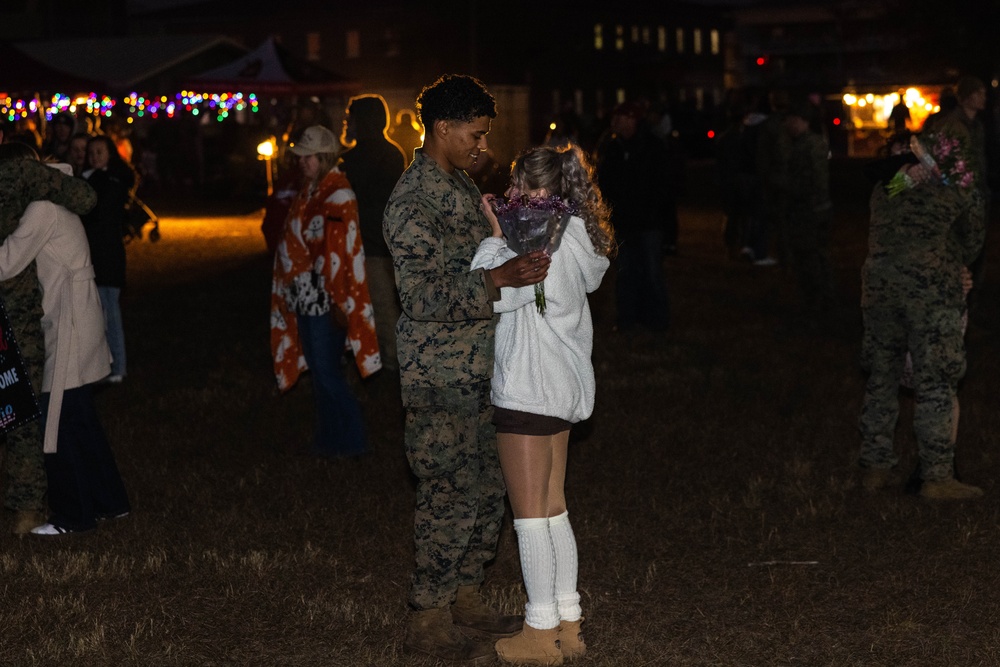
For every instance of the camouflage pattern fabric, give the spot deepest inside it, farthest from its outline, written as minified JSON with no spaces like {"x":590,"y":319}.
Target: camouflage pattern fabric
{"x":917,"y":244}
{"x":433,"y":225}
{"x":22,"y":182}
{"x":912,"y":300}
{"x":451,"y":446}
{"x":810,"y":217}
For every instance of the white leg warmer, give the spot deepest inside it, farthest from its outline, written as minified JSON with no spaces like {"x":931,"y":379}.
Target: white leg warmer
{"x":538,"y":567}
{"x":564,"y":548}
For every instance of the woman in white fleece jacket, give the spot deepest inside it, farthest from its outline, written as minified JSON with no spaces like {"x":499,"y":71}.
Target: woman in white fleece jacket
{"x":543,"y":383}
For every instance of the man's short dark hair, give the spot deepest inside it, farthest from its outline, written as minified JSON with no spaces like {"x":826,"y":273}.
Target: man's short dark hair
{"x":455,"y":97}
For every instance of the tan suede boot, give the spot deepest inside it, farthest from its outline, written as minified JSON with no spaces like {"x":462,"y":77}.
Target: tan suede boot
{"x":432,"y":632}
{"x":25,"y":520}
{"x":470,"y":611}
{"x":949,"y":489}
{"x":531,"y":647}
{"x":571,"y":639}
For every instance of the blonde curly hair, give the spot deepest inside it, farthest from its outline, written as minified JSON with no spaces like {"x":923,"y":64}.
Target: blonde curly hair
{"x":565,"y":172}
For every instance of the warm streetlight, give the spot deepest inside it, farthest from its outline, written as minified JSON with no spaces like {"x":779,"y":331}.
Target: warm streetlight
{"x":265,"y":151}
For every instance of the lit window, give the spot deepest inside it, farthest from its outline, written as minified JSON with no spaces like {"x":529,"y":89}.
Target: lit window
{"x":620,"y":96}
{"x":699,"y":99}
{"x":696,"y":40}
{"x":714,"y":39}
{"x":680,"y":40}
{"x":635,"y":34}
{"x":598,"y":36}
{"x":619,"y":38}
{"x":645,"y":34}
{"x":661,"y":38}
{"x":353,"y":44}
{"x":578,"y":101}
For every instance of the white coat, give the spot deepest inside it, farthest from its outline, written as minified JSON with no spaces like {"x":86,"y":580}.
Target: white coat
{"x":543,"y":362}
{"x":76,"y":349}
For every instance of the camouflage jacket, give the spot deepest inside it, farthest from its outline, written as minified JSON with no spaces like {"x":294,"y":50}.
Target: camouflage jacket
{"x":917,"y":244}
{"x":433,"y":225}
{"x":808,"y":174}
{"x":25,"y":181}
{"x":971,"y":132}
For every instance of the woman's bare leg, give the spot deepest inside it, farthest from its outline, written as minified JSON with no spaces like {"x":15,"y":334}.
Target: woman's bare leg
{"x":527,"y":462}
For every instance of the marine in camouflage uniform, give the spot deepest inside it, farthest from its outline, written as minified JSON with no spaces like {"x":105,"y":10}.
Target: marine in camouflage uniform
{"x":912,"y":300}
{"x":433,"y":225}
{"x":810,"y":212}
{"x":22,"y":182}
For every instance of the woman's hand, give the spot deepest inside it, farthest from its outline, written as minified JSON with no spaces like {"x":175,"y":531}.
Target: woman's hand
{"x":487,"y":205}
{"x":918,"y":172}
{"x":522,"y":270}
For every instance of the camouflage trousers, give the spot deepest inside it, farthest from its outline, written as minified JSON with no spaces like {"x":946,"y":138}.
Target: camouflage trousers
{"x":451,"y":446}
{"x":934,"y":339}
{"x":24,"y":461}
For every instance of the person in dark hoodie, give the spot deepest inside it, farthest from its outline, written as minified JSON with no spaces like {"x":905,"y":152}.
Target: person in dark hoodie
{"x":633,"y":170}
{"x":115,"y":181}
{"x":373,"y":164}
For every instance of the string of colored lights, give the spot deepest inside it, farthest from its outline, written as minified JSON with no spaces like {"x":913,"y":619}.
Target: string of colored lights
{"x":133,"y":105}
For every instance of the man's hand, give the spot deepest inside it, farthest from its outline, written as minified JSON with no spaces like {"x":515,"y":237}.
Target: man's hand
{"x":523,"y":270}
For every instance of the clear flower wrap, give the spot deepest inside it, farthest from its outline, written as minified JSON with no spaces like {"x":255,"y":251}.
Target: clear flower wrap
{"x":533,"y":223}
{"x":945,"y":160}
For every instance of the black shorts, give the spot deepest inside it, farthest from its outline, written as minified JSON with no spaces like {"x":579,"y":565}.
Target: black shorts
{"x":526,"y":423}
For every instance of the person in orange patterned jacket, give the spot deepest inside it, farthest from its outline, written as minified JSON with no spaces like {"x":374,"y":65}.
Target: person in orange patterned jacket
{"x":319,"y":296}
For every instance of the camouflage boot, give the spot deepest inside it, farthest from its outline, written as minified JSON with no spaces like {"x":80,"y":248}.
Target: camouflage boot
{"x":469,"y":611}
{"x":949,"y":489}
{"x":25,"y":520}
{"x":876,"y":479}
{"x":432,"y":632}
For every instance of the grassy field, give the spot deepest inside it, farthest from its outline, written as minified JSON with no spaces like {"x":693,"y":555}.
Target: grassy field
{"x":714,"y":492}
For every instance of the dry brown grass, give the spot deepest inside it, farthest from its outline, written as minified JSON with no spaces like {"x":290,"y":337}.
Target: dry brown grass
{"x":713,"y":493}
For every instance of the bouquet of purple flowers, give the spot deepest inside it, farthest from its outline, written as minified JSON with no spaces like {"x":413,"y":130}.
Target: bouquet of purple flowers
{"x":945,"y":160}
{"x":533,"y":223}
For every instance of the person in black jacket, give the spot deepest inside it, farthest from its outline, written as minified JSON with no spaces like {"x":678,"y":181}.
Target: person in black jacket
{"x":373,"y":164}
{"x":633,"y":170}
{"x":114,"y":180}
